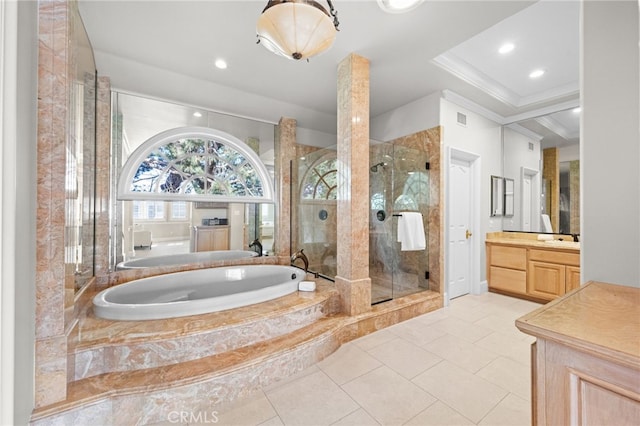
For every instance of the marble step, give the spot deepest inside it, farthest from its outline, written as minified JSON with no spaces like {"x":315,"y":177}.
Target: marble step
{"x":104,"y":346}
{"x":150,"y":395}
{"x":154,"y":395}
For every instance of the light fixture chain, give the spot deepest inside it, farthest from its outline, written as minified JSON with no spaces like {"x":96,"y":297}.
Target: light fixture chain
{"x":334,"y":13}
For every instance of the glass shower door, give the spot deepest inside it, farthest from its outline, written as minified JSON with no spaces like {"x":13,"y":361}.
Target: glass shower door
{"x":411,"y":194}
{"x":398,"y":182}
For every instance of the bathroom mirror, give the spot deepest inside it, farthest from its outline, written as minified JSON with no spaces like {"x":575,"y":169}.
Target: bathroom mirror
{"x":149,"y":228}
{"x":497,"y":196}
{"x":534,"y":152}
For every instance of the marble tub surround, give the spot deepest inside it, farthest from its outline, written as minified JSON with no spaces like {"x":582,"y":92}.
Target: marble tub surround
{"x":103,"y":346}
{"x":149,"y":395}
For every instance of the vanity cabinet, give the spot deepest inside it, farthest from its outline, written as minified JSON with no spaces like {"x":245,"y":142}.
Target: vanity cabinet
{"x":208,"y":238}
{"x":586,"y":358}
{"x":532,"y":269}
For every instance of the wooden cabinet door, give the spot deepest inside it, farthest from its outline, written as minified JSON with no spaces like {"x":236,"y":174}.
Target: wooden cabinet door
{"x":546,"y":280}
{"x":572,"y":278}
{"x":205,"y":240}
{"x":220,"y":239}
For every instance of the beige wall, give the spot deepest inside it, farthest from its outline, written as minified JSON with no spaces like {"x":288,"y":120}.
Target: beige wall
{"x":610,"y":145}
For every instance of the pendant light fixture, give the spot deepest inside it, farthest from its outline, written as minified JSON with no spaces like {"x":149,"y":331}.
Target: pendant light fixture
{"x":297,"y":29}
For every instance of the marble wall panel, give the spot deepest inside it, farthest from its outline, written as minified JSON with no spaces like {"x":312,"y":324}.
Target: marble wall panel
{"x":54,"y":67}
{"x":285,"y":145}
{"x":103,"y":175}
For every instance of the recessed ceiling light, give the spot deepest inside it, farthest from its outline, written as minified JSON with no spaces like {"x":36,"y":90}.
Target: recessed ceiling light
{"x":506,"y":48}
{"x":221,"y":64}
{"x":398,"y":6}
{"x":197,"y":114}
{"x":536,"y":73}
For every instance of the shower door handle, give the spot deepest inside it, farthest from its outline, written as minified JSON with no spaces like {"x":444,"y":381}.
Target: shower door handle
{"x":468,"y":234}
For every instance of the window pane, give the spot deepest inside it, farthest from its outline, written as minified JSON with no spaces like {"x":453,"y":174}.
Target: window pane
{"x":179,"y":210}
{"x":138,"y":208}
{"x":195,"y":166}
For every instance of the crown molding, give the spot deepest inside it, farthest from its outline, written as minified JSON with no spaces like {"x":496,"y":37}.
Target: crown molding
{"x":471,"y":75}
{"x":457,"y":99}
{"x":524,"y":131}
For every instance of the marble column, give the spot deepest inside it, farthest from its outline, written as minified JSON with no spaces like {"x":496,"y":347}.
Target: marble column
{"x":54,"y":296}
{"x":551,"y":172}
{"x":103,"y":179}
{"x":574,"y":196}
{"x":285,"y":146}
{"x":352,"y":280}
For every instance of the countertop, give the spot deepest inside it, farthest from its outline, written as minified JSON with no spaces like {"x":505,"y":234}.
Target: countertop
{"x":598,"y":317}
{"x":530,"y":240}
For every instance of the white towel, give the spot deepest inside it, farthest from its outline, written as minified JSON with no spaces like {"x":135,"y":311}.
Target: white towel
{"x":411,"y":231}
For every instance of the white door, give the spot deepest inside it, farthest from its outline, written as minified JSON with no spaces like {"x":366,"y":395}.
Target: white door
{"x":526,"y":202}
{"x":460,"y":232}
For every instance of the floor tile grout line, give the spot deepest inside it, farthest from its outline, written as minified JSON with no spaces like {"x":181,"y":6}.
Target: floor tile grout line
{"x":494,"y":407}
{"x":435,"y":401}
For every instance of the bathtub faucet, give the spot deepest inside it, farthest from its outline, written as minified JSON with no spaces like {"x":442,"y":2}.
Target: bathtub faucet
{"x":258,"y":244}
{"x":300,"y":255}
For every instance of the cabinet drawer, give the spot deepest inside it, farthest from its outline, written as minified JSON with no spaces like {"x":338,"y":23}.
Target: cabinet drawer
{"x":509,"y":257}
{"x":555,"y":256}
{"x":508,"y":280}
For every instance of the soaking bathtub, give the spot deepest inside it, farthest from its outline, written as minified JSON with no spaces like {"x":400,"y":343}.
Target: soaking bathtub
{"x":196,"y":292}
{"x":184,"y":258}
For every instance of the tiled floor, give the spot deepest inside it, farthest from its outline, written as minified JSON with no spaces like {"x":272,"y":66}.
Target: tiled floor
{"x":462,"y":365}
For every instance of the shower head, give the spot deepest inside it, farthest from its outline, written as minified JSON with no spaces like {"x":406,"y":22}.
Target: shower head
{"x":374,"y":168}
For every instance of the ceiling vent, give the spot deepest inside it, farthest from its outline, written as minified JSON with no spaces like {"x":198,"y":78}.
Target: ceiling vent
{"x":462,"y":119}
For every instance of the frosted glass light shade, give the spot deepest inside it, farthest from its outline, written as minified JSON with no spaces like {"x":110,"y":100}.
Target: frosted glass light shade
{"x":296,"y":29}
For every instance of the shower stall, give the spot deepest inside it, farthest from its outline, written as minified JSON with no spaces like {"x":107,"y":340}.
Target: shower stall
{"x":398,"y":183}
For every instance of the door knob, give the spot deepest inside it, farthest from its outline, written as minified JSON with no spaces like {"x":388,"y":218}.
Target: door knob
{"x":468,"y":234}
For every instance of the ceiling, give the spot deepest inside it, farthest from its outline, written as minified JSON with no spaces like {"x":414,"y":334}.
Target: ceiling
{"x":446,"y":46}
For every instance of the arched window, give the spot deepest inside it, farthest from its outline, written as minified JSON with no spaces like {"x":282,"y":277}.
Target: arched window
{"x":321,"y":181}
{"x":195,"y":164}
